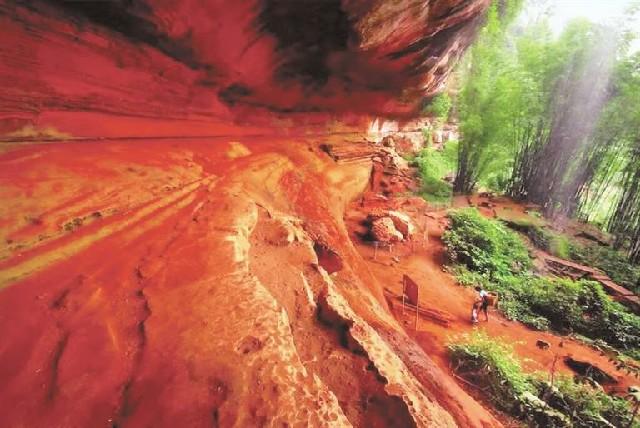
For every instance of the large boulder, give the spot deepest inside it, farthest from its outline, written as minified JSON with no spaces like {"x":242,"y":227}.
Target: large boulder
{"x":402,"y":223}
{"x":383,"y":230}
{"x":389,"y":141}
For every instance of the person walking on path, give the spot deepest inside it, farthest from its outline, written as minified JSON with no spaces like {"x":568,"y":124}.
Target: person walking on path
{"x":481,"y":304}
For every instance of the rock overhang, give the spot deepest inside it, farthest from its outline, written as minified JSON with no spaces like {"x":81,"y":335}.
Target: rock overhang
{"x":357,"y":56}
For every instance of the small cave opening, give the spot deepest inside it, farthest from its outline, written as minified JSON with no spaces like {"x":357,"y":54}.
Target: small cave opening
{"x":327,"y":258}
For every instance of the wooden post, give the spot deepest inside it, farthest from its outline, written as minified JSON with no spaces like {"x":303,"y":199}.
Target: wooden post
{"x":411,"y":290}
{"x":553,"y":368}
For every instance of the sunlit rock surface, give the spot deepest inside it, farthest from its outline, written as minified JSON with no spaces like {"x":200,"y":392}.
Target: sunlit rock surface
{"x":174,"y":251}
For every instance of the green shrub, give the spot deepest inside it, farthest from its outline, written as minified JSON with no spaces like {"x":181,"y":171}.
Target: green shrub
{"x":613,"y":262}
{"x":560,"y":246}
{"x":468,"y":278}
{"x":439,"y":107}
{"x":488,"y":254}
{"x":557,"y":300}
{"x":608,"y":320}
{"x":484,"y":246}
{"x":492,"y":365}
{"x":587,"y":406}
{"x":554,"y":243}
{"x":568,"y":307}
{"x":427,"y":136}
{"x":434,"y":165}
{"x":497,"y":181}
{"x":495,"y":366}
{"x":435,"y":190}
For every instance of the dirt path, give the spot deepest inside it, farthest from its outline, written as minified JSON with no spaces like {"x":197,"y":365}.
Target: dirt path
{"x":439,"y":290}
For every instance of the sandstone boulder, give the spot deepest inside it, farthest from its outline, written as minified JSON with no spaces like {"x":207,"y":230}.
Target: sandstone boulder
{"x":402,"y":223}
{"x":383,"y":230}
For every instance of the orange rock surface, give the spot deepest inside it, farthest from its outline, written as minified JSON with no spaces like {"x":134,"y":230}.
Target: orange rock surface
{"x":167,"y":301}
{"x":174,"y":251}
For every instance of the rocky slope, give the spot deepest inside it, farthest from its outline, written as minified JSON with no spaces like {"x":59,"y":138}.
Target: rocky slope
{"x":174,"y":246}
{"x":159,"y":284}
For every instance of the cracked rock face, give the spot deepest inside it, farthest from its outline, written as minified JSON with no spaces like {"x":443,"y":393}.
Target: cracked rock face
{"x":201,"y":303}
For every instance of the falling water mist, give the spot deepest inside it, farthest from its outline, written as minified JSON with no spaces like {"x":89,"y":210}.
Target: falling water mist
{"x":565,"y":163}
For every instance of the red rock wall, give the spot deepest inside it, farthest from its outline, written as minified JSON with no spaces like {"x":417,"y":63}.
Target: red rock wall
{"x":220,"y":60}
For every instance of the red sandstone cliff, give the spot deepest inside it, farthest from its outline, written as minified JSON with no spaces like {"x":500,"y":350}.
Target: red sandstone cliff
{"x":164,"y":199}
{"x":198,"y":59}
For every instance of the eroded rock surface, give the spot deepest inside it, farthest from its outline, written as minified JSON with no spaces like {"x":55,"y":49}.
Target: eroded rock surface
{"x":170,"y":224}
{"x":383,"y":230}
{"x":198,"y":302}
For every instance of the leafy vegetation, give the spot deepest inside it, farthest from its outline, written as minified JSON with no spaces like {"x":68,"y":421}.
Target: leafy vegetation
{"x":484,"y":246}
{"x":556,"y":165}
{"x":495,"y":363}
{"x":553,"y":120}
{"x":488,"y":253}
{"x":492,"y":364}
{"x":614,"y":191}
{"x":544,"y":239}
{"x":611,"y":261}
{"x":439,"y":107}
{"x":434,"y":165}
{"x":481,"y":104}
